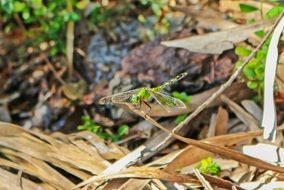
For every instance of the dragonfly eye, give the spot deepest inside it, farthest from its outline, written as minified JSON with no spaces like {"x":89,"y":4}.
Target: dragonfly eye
{"x":135,"y":99}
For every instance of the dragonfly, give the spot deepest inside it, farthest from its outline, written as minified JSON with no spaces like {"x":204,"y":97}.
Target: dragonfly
{"x":143,"y":95}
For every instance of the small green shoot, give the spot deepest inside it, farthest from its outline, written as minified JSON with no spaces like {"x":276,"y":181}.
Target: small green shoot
{"x":90,"y":125}
{"x":123,"y":130}
{"x":242,"y":51}
{"x":245,"y":8}
{"x":180,"y":118}
{"x":275,"y":11}
{"x":208,"y":166}
{"x":260,"y":33}
{"x":186,"y":99}
{"x":182,"y":96}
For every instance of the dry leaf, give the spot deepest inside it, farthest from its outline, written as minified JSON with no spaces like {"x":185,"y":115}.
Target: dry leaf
{"x":191,"y":154}
{"x":245,"y":117}
{"x":253,"y":109}
{"x":217,"y":42}
{"x":221,"y":121}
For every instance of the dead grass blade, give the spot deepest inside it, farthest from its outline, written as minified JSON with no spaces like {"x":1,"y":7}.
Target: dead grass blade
{"x":144,"y":173}
{"x":8,"y":181}
{"x":37,"y":155}
{"x":216,"y":149}
{"x":205,"y":183}
{"x":192,"y":154}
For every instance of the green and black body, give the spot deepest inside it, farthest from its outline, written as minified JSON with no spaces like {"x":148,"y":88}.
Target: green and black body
{"x":144,"y":95}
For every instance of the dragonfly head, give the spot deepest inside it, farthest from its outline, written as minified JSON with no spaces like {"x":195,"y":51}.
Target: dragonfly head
{"x":135,"y":99}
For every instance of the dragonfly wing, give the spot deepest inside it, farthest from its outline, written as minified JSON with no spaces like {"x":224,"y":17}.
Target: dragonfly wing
{"x":123,"y":97}
{"x":167,"y":102}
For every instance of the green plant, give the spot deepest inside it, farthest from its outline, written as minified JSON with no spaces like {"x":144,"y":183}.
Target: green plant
{"x":90,"y":125}
{"x":162,"y":23}
{"x":254,"y":70}
{"x":247,"y":8}
{"x":41,"y":20}
{"x":208,"y":166}
{"x":180,"y":118}
{"x":183,"y":96}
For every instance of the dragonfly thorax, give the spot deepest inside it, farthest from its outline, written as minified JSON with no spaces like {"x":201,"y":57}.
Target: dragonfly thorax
{"x":135,"y":99}
{"x":143,"y":94}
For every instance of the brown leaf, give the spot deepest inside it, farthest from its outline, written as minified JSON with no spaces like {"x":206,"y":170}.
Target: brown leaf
{"x":244,"y":116}
{"x":221,"y":121}
{"x":217,"y":42}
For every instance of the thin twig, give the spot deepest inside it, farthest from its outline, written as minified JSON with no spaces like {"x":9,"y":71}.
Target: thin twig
{"x":226,"y":84}
{"x":53,"y":70}
{"x":70,"y":40}
{"x":213,"y":148}
{"x":216,"y":149}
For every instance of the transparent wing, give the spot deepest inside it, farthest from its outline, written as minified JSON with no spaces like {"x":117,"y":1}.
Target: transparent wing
{"x":167,"y":102}
{"x":123,"y":97}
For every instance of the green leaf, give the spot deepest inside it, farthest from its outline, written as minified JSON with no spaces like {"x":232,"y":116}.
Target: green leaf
{"x":71,"y":16}
{"x":247,"y":8}
{"x":7,"y":6}
{"x":242,"y":51}
{"x":123,"y":130}
{"x":54,"y":51}
{"x":252,"y":85}
{"x":26,"y":14}
{"x":82,"y":4}
{"x":19,"y":6}
{"x":55,"y":25}
{"x":259,"y":70}
{"x":253,"y":63}
{"x":249,"y":73}
{"x":36,"y":3}
{"x":208,"y":166}
{"x":42,"y":11}
{"x":156,"y":9}
{"x":180,"y":118}
{"x":182,"y":96}
{"x":104,"y":136}
{"x":275,"y":11}
{"x":260,"y":33}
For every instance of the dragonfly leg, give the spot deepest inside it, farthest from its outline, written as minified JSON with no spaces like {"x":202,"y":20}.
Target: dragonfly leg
{"x":148,"y":106}
{"x":140,"y":103}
